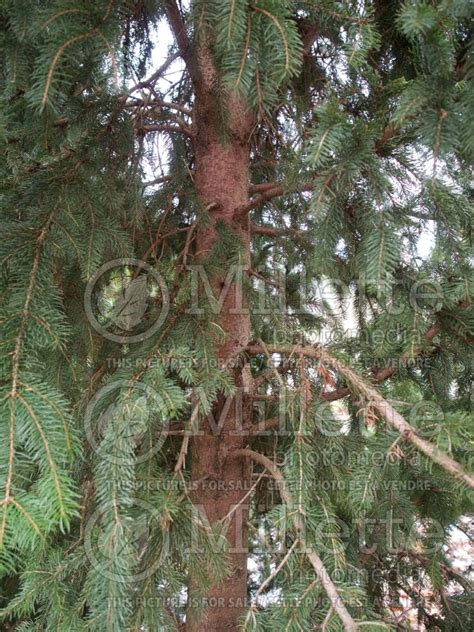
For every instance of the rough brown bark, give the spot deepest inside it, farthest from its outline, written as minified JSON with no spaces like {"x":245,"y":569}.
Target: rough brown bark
{"x":222,"y":185}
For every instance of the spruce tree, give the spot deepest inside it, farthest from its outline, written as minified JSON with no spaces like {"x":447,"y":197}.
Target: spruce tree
{"x":235,"y":395}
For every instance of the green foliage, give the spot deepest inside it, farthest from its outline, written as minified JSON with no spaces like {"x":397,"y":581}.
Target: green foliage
{"x":257,"y":46}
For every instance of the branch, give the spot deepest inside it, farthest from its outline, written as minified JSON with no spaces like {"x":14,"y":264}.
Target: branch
{"x":275,"y":232}
{"x":268,"y":581}
{"x":160,"y":180}
{"x":341,"y":16}
{"x":254,"y":188}
{"x":264,"y":376}
{"x":154,"y":77}
{"x":263,"y":186}
{"x":382,"y":374}
{"x":391,"y":416}
{"x":271,"y":193}
{"x":331,"y":590}
{"x":387,"y":372}
{"x":179,"y":31}
{"x":263,"y":278}
{"x":155,"y":103}
{"x":396,"y":420}
{"x":164,"y":127}
{"x":446,"y":570}
{"x":15,"y":373}
{"x":55,"y":60}
{"x":270,"y":190}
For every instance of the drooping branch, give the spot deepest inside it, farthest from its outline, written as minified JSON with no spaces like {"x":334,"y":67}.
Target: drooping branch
{"x":15,"y":383}
{"x":336,"y":602}
{"x":396,"y":420}
{"x":385,"y":373}
{"x":391,"y":416}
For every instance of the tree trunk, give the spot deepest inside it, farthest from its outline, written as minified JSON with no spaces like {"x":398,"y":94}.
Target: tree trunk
{"x":222,"y":184}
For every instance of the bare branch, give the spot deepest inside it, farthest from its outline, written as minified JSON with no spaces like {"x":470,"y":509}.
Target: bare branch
{"x":179,"y":31}
{"x":180,"y":462}
{"x":271,"y":193}
{"x":164,"y":127}
{"x":160,"y":180}
{"x":155,"y":103}
{"x":263,"y":278}
{"x":154,"y":77}
{"x":275,"y":232}
{"x":263,"y":186}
